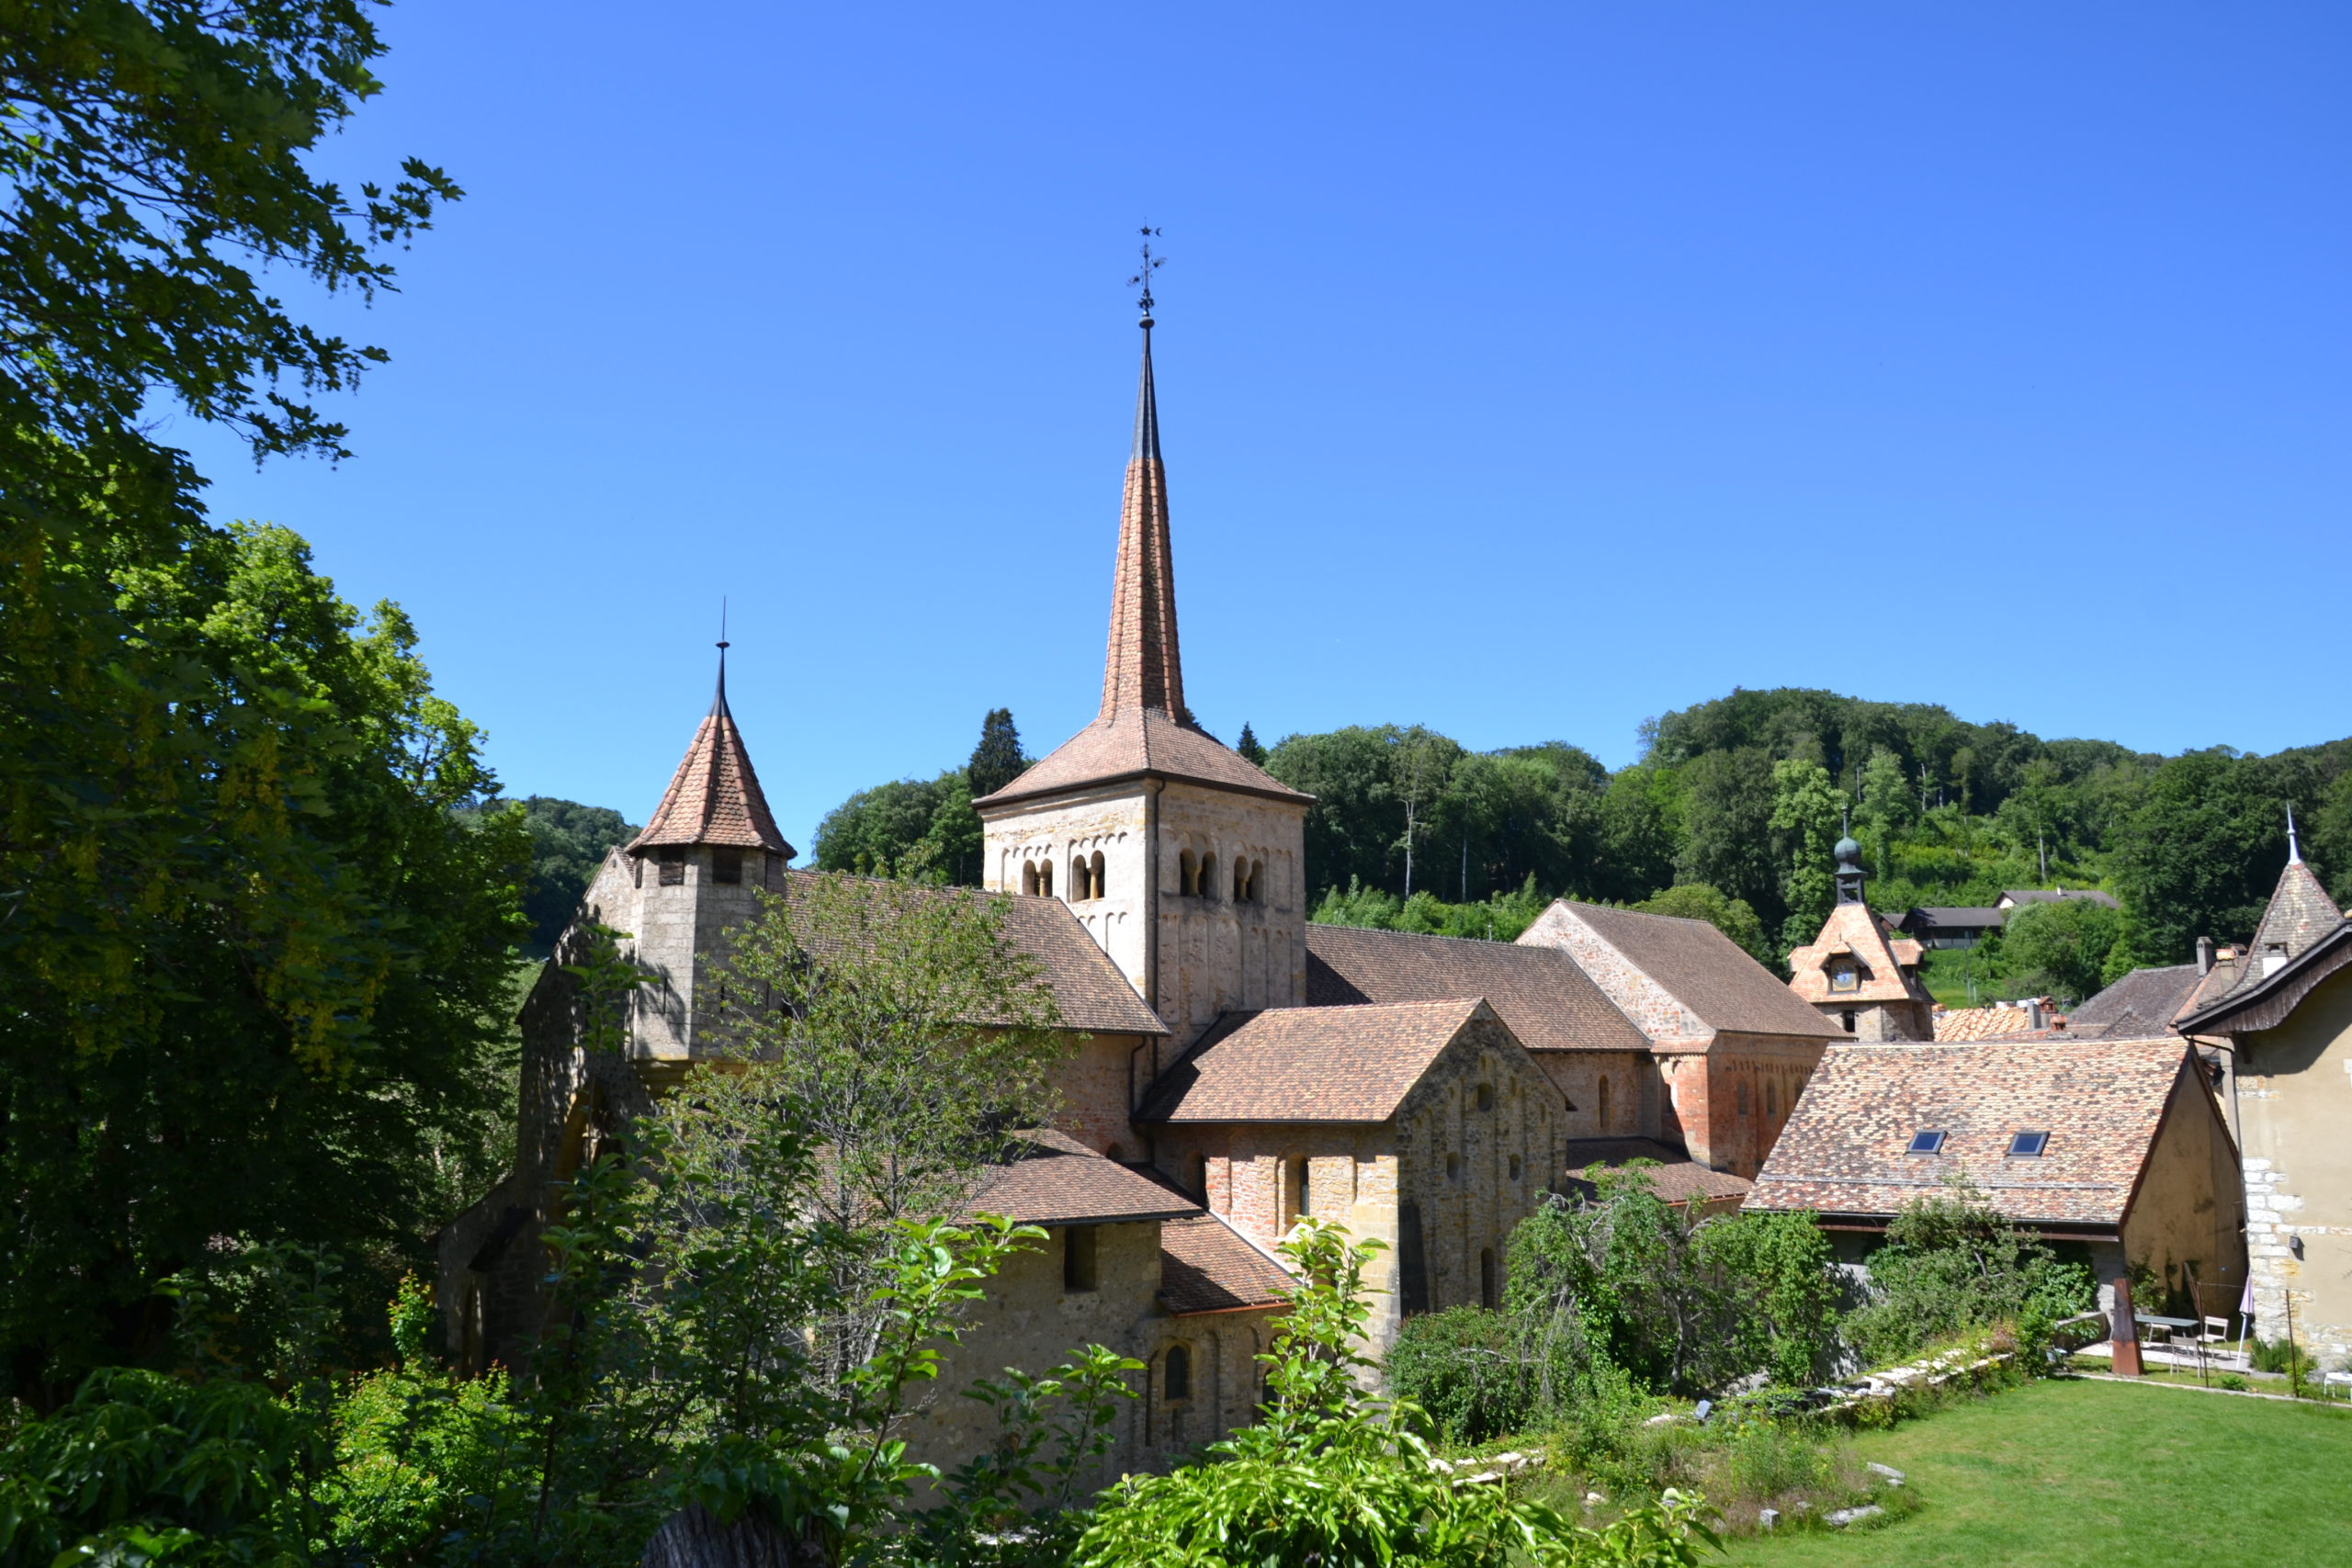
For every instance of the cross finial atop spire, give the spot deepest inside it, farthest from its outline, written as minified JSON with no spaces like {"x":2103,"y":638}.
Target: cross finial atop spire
{"x":2294,"y":850}
{"x":1142,"y":279}
{"x":718,"y":702}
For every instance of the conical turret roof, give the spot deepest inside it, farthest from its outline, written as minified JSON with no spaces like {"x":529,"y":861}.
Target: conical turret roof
{"x":1143,"y":727}
{"x":714,"y":797}
{"x":2298,"y":914}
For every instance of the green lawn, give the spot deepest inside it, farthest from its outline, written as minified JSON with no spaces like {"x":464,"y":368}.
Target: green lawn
{"x":2104,"y":1476}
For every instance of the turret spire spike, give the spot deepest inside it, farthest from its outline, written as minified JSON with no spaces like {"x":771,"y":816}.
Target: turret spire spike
{"x":718,"y":702}
{"x":2294,"y":850}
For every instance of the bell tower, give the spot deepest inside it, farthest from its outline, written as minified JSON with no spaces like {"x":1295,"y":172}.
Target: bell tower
{"x":1182,"y":859}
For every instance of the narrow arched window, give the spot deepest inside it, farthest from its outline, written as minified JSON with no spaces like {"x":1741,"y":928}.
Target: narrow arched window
{"x":1029,"y":879}
{"x":1189,"y":869}
{"x":1601,"y":1109}
{"x":1079,"y":892}
{"x":1486,"y":1097}
{"x":1176,"y":1379}
{"x":1771,"y":1100}
{"x":1046,"y":880}
{"x":1490,"y":1290}
{"x":1201,"y":1177}
{"x":1208,"y":876}
{"x":1257,"y":881}
{"x":1099,"y":883}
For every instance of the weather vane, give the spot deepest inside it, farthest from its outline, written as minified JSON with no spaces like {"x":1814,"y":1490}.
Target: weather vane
{"x":1142,"y":279}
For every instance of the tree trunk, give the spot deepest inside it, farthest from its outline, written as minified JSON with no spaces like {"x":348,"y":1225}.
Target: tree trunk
{"x":691,"y":1538}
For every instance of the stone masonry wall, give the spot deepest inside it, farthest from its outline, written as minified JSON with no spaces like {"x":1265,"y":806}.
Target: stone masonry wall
{"x":1632,"y":1096}
{"x":1654,"y":1011}
{"x":1751,"y":1085}
{"x":2294,"y":1093}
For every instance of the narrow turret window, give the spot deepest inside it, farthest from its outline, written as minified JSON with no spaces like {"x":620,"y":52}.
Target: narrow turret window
{"x":673,"y":861}
{"x":727,"y":867}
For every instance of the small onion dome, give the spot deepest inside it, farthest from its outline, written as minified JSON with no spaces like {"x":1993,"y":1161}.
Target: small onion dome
{"x":1846,"y":851}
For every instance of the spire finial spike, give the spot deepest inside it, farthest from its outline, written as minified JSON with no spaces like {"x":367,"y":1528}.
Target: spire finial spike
{"x":718,"y":702}
{"x":1142,"y":279}
{"x":2294,"y":850}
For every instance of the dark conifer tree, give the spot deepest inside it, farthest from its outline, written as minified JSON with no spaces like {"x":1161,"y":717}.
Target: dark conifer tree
{"x":997,"y":760}
{"x":1251,"y":752}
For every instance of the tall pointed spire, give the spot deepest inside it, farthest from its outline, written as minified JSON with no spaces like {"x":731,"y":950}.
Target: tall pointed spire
{"x":714,"y":797}
{"x":2294,"y":850}
{"x":1142,"y":670}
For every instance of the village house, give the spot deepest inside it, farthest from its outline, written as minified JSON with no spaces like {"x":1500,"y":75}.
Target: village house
{"x":2281,"y":1016}
{"x":2117,"y":1147}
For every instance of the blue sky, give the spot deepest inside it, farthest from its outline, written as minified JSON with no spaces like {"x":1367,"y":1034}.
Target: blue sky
{"x":1524,"y":371}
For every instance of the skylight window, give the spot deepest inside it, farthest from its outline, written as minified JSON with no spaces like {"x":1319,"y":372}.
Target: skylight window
{"x":1926,"y":1144}
{"x":2029,"y":1145}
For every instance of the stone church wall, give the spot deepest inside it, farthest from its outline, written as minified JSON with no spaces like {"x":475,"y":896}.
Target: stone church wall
{"x":1631,"y":1094}
{"x":2294,"y":1091}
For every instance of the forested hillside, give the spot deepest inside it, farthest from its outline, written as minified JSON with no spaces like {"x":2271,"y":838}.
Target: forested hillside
{"x":1735,"y":802}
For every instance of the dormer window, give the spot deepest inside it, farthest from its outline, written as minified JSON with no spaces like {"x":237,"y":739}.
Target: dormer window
{"x":2027,"y":1145}
{"x":2274,"y":957}
{"x":1844,"y":976}
{"x":1929,"y":1142}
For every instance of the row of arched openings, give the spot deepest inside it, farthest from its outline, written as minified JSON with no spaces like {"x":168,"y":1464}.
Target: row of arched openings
{"x":1086,"y":878}
{"x":1197,"y":877}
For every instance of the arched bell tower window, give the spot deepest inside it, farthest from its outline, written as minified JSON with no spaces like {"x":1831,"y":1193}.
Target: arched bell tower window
{"x":1245,"y":879}
{"x":1208,"y":876}
{"x":1099,"y":883}
{"x":1045,"y":879}
{"x":1029,"y":879}
{"x":1177,"y":1377}
{"x":1188,"y":868}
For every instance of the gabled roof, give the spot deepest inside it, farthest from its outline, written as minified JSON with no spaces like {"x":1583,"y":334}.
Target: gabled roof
{"x":1677,"y":1177}
{"x":1056,"y":1180}
{"x":1539,"y":992}
{"x":2139,"y":1005}
{"x":1144,"y":729}
{"x":1954,"y":917}
{"x":1092,"y":992}
{"x":1960,"y":1025}
{"x":1206,"y":1266}
{"x":1856,"y":929}
{"x":2100,"y":1101}
{"x":1705,"y":971}
{"x":2057,"y":895}
{"x":714,"y":797}
{"x":1329,"y":1064}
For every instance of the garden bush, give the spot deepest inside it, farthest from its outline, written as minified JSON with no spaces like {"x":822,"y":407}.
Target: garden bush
{"x":1463,"y":1366}
{"x":1953,"y":1263}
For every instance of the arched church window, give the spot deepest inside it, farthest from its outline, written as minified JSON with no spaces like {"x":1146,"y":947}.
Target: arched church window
{"x":1178,"y":1377}
{"x":1208,"y":876}
{"x":1078,"y":890}
{"x":1601,"y":1109}
{"x":1188,"y":866}
{"x":1257,"y":881}
{"x":1029,"y":879}
{"x":1099,"y":883}
{"x":1240,"y":880}
{"x":1743,"y":1097}
{"x":1045,"y":879}
{"x":1489,"y":1285}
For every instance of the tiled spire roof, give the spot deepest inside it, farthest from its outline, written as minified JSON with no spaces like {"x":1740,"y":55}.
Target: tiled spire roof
{"x":714,"y":797}
{"x":1143,"y":670}
{"x":2300,"y":913}
{"x":1143,"y":726}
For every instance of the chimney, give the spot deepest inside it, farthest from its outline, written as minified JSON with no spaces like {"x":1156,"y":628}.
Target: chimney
{"x":2035,"y":1018}
{"x":2204,"y":955}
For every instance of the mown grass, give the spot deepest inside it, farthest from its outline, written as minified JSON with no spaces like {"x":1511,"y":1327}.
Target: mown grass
{"x":2063,"y":1474}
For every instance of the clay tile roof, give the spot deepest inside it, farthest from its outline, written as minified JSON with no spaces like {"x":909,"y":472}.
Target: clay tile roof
{"x":1855,"y":929}
{"x":1143,"y":729}
{"x":1539,"y":992}
{"x":1706,"y":972}
{"x":1962,"y":1024}
{"x":1677,"y":1177}
{"x":2138,"y":1004}
{"x":714,"y":797}
{"x":1206,"y":1266}
{"x":2298,"y":914}
{"x":1057,"y":1181}
{"x":1331,"y":1064}
{"x":2100,"y":1101}
{"x":1092,"y":993}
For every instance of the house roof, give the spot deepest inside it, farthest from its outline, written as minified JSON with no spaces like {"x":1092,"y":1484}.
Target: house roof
{"x":1143,"y":729}
{"x":1092,"y":992}
{"x":1311,"y":1064}
{"x":1539,"y":992}
{"x":714,"y":797}
{"x":1679,"y":1178}
{"x":1959,"y":917}
{"x":1206,"y":1266}
{"x":2054,"y":894}
{"x":1056,"y":1180}
{"x":1705,"y":970}
{"x":2100,"y":1101}
{"x":1960,"y":1025}
{"x":2138,"y":1004}
{"x":1857,"y":930}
